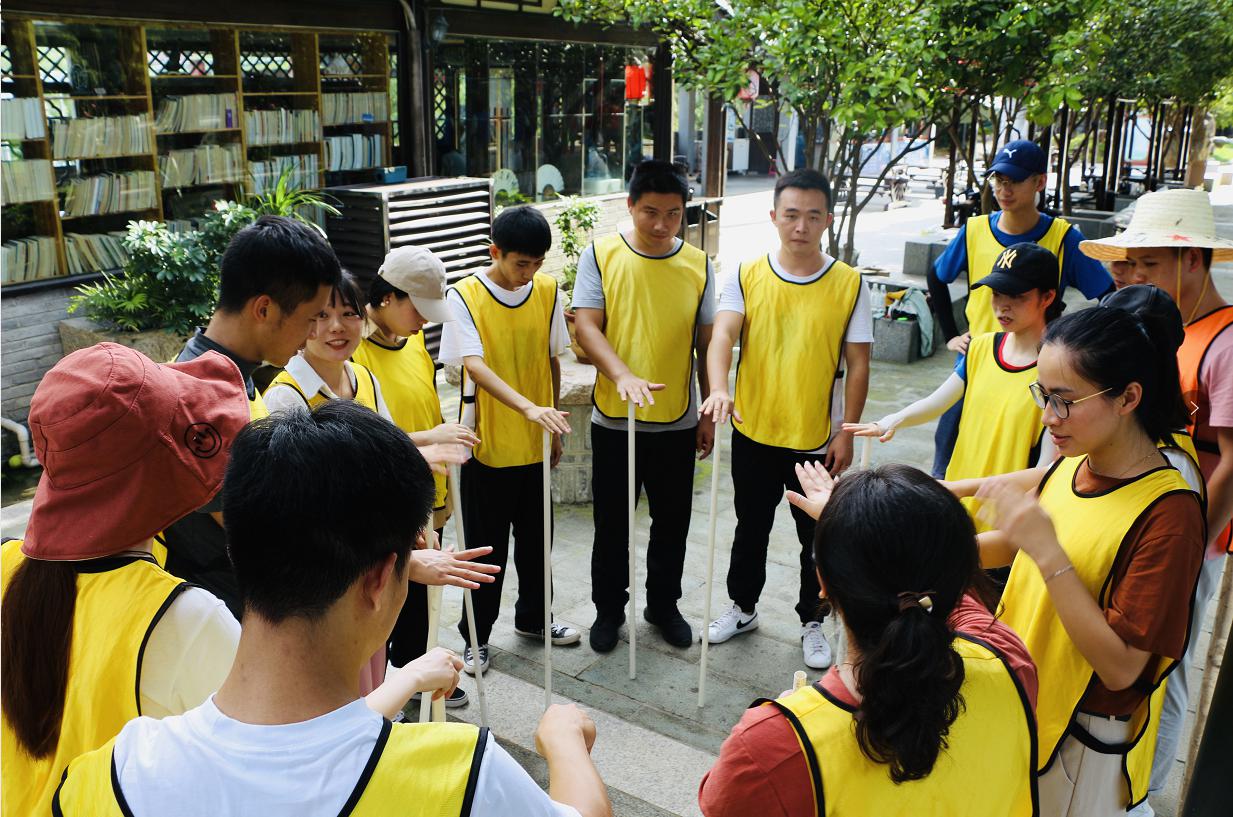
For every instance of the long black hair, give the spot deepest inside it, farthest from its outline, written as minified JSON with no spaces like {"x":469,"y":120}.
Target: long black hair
{"x":896,"y":552}
{"x":1113,"y":346}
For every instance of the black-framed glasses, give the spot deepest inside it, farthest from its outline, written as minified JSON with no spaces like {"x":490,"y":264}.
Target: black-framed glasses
{"x":1060,"y":405}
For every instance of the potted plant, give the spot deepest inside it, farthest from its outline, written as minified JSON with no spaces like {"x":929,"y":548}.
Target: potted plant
{"x":574,"y":224}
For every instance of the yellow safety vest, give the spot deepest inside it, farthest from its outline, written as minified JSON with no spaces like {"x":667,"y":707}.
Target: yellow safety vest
{"x":986,"y":770}
{"x":983,"y":249}
{"x":116,"y":610}
{"x":791,"y":341}
{"x":409,"y":384}
{"x":1091,"y":529}
{"x":517,"y":348}
{"x":256,"y":407}
{"x":1000,"y":423}
{"x":651,"y":313}
{"x":427,"y":769}
{"x":365,"y":388}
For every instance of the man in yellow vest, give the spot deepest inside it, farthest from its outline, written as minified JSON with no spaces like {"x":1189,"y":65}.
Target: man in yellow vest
{"x":287,"y":733}
{"x":1018,"y":175}
{"x":508,"y":329}
{"x":797,"y":314}
{"x":276,"y":277}
{"x":1171,"y":243}
{"x":645,"y":303}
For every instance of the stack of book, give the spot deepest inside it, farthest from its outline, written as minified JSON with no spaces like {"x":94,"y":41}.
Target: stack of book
{"x":199,"y":112}
{"x":100,"y":137}
{"x":282,"y":126}
{"x":26,"y":180}
{"x":21,"y":119}
{"x":110,"y":193}
{"x":302,"y":172}
{"x":205,"y":164}
{"x":94,"y":252}
{"x":353,"y":151}
{"x":357,"y":107}
{"x":28,"y":259}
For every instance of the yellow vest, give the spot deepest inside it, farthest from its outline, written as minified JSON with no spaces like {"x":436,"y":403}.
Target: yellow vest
{"x":791,"y":340}
{"x":983,"y":249}
{"x":986,"y":769}
{"x":426,"y":769}
{"x":516,"y":347}
{"x":409,"y":384}
{"x":115,"y":613}
{"x":1091,"y":529}
{"x":651,"y":313}
{"x":365,"y":388}
{"x":1000,"y":423}
{"x":256,"y":407}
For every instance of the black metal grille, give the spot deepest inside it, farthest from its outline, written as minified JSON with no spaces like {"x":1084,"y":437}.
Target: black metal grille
{"x":334,"y":59}
{"x":198,"y":62}
{"x":440,"y":98}
{"x":54,"y":65}
{"x":266,"y":64}
{"x":6,"y":60}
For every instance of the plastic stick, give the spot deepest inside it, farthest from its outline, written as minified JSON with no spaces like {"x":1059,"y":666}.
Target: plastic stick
{"x":547,"y":569}
{"x":467,"y":602}
{"x":710,"y":571}
{"x":633,"y":551}
{"x":866,"y":448}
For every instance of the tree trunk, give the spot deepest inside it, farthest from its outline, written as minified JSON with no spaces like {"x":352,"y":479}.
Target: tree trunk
{"x":952,"y":129}
{"x":1200,"y":148}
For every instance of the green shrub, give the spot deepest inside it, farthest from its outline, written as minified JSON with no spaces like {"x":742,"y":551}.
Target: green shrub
{"x":574,"y":225}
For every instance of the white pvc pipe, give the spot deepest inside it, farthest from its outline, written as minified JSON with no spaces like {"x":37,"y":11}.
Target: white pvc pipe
{"x":866,"y":449}
{"x":633,"y":551}
{"x":710,"y":571}
{"x":547,"y":468}
{"x":467,"y":602}
{"x":28,"y":460}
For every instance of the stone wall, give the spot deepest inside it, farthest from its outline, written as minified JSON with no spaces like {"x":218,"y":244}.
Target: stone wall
{"x":612,"y":213}
{"x":29,"y":345}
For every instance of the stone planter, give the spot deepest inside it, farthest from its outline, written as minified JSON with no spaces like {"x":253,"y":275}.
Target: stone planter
{"x":573,"y":338}
{"x":160,"y":345}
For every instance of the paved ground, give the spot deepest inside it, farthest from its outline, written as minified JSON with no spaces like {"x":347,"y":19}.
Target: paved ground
{"x":654,"y":742}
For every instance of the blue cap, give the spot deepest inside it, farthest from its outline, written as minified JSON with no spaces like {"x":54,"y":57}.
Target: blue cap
{"x":1020,"y":159}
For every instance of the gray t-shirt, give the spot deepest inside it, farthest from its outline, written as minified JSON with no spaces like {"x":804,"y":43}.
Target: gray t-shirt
{"x":589,"y":294}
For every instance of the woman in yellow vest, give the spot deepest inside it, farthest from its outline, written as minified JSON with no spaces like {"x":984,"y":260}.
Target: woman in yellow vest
{"x":94,"y":632}
{"x":999,"y":425}
{"x":930,"y":712}
{"x":408,"y":293}
{"x":1106,"y":553}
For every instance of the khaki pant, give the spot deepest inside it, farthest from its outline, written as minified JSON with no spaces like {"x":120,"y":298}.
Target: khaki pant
{"x":1082,"y":782}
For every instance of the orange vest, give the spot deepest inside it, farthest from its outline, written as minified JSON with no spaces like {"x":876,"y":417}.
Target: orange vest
{"x":1200,"y":335}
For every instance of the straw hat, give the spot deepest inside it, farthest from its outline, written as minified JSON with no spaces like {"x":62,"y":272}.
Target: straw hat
{"x":1166,"y":218}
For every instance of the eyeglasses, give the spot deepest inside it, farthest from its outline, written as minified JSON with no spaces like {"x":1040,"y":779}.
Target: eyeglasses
{"x":1060,"y":405}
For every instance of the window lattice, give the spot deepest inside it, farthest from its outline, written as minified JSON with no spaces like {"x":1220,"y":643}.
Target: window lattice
{"x":197,"y":62}
{"x":55,"y":67}
{"x":6,"y":60}
{"x":266,"y":64}
{"x":333,"y":61}
{"x":440,"y":99}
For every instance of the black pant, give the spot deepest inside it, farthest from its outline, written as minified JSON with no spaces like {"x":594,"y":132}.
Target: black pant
{"x":493,"y":500}
{"x":409,"y":639}
{"x":664,"y":468}
{"x":760,"y":474}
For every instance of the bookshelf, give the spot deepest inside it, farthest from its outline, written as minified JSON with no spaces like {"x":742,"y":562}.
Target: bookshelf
{"x":107,"y":121}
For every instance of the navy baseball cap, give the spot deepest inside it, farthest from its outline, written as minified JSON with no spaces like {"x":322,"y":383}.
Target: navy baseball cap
{"x":1020,"y":268}
{"x":1020,"y":159}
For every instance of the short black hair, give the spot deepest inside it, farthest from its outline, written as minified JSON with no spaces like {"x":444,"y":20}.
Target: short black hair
{"x":805,"y":179}
{"x":522,"y":230}
{"x":349,"y":292}
{"x":657,"y":176}
{"x":311,"y":501}
{"x":276,"y":256}
{"x":1204,"y":252}
{"x":378,"y":288}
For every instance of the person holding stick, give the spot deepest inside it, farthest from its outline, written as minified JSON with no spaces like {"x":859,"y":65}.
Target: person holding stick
{"x":287,"y":733}
{"x":507,"y":333}
{"x":800,"y":316}
{"x":931,"y":712}
{"x":1105,"y":553}
{"x":999,"y":426}
{"x":645,"y":304}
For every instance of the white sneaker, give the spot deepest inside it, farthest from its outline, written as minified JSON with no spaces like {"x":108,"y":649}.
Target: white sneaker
{"x":733,"y":622}
{"x":814,"y":645}
{"x":562,"y":634}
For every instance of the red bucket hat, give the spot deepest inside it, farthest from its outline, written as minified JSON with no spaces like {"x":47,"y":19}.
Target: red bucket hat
{"x":128,"y":446}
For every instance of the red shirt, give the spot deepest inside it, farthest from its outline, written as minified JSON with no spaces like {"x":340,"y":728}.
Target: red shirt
{"x":761,"y":769}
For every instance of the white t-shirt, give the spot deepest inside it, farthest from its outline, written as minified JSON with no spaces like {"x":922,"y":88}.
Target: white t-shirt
{"x":281,"y":397}
{"x":189,"y":654}
{"x":860,"y":325}
{"x":460,"y":338}
{"x":205,"y":763}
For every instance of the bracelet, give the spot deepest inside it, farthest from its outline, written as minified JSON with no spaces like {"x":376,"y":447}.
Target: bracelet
{"x":1059,"y":572}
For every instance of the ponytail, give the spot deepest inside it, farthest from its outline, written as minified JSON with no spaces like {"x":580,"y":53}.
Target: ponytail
{"x":885,"y":536}
{"x":36,"y":634}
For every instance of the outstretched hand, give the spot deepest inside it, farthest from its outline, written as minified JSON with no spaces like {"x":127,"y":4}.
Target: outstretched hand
{"x":1021,"y":519}
{"x":817,"y":485}
{"x":444,"y":567}
{"x":884,"y":434}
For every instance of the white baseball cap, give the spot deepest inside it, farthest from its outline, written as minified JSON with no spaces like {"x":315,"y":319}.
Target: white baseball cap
{"x":420,"y":274}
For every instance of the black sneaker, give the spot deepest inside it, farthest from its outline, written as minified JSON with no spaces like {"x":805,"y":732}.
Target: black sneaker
{"x":672,"y":625}
{"x":456,"y":699}
{"x":604,"y":631}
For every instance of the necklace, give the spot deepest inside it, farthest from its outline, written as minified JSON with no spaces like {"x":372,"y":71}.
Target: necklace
{"x":1123,"y":474}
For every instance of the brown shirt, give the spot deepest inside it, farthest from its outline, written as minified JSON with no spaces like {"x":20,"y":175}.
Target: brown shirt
{"x":1150,"y":589}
